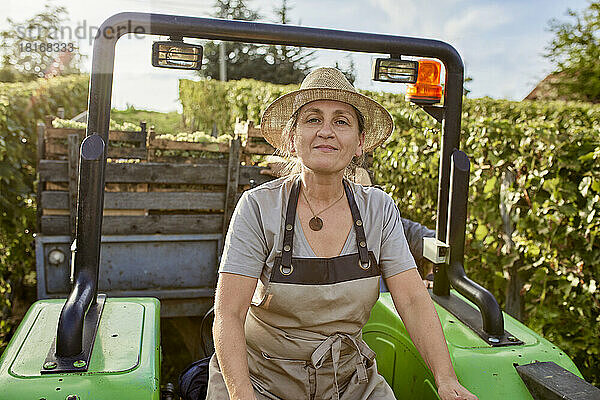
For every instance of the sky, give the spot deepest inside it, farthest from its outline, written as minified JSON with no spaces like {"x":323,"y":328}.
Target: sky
{"x":501,"y":42}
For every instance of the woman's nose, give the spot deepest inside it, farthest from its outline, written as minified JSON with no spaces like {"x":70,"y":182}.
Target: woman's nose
{"x":326,"y":131}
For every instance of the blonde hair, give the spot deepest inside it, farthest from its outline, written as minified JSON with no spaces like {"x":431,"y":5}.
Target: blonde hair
{"x":293,"y":165}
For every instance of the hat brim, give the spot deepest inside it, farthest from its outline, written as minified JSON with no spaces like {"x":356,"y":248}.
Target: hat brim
{"x":378,"y":121}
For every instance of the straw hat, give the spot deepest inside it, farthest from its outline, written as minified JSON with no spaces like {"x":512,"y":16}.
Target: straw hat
{"x":326,"y":84}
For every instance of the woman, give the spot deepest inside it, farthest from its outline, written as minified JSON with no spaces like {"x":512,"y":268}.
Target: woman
{"x":301,"y":266}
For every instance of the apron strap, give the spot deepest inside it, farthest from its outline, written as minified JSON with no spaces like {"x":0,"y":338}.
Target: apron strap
{"x":290,"y":219}
{"x":288,"y":233}
{"x":333,"y":344}
{"x":361,"y":239}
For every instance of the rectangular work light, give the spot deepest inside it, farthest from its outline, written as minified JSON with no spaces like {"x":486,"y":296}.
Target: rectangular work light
{"x":177,"y":55}
{"x":395,"y":70}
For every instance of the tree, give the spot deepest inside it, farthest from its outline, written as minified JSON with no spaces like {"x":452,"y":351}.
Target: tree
{"x":241,"y":58}
{"x":349,"y":71}
{"x":235,"y":9}
{"x":276,"y":64}
{"x":468,"y":80}
{"x":35,"y":47}
{"x":290,"y":63}
{"x":575,"y":52}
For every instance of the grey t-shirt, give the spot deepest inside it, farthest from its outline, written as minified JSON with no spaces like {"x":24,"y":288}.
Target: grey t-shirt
{"x":255,"y":234}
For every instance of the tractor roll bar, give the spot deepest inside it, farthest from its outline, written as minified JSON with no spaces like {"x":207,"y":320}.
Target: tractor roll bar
{"x":491,"y":315}
{"x":253,"y":32}
{"x":69,"y":339}
{"x":289,"y":35}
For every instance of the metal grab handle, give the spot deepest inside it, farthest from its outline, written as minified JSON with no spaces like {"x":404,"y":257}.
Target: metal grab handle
{"x":491,"y":314}
{"x":69,"y":339}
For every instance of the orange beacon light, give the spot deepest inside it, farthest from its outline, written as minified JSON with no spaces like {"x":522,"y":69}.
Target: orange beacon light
{"x":427,"y":89}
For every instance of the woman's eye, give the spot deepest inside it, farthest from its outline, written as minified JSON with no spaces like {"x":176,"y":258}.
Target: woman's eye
{"x":313,"y":120}
{"x":341,"y":122}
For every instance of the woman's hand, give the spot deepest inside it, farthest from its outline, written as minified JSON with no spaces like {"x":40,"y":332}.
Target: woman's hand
{"x":452,"y":390}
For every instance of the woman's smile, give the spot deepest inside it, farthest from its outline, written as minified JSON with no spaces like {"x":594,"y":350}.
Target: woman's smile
{"x":326,"y":148}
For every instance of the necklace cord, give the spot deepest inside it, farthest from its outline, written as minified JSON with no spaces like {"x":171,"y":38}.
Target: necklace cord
{"x":323,"y":210}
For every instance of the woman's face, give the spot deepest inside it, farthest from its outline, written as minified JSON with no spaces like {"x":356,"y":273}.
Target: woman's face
{"x":327,"y":136}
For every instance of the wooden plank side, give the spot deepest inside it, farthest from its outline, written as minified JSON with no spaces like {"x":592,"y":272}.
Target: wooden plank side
{"x":55,"y":225}
{"x":175,"y":145}
{"x":166,"y":200}
{"x":55,"y":200}
{"x":259,"y":148}
{"x":178,"y":159}
{"x":197,"y":201}
{"x":53,"y":149}
{"x":127,"y":152}
{"x":145,"y":200}
{"x":59,"y":149}
{"x":233,"y":177}
{"x":150,"y":224}
{"x":63,"y":133}
{"x":53,"y":171}
{"x":251,"y":175}
{"x":126,"y":136}
{"x":254,"y":132}
{"x":73,"y":165}
{"x":214,"y":173}
{"x":199,"y":174}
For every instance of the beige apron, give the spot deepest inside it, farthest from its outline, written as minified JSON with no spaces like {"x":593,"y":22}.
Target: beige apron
{"x":304,"y":327}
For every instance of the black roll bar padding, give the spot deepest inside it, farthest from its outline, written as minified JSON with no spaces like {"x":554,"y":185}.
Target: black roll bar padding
{"x":69,"y":339}
{"x":491,"y":314}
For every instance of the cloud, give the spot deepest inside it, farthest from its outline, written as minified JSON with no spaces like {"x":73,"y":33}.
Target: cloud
{"x":423,"y":18}
{"x":478,"y":19}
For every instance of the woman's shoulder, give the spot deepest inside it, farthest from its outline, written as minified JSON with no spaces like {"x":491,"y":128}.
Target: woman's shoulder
{"x":372,"y":195}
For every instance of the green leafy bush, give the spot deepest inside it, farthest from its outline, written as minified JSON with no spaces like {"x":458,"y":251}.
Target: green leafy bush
{"x":113,"y":125}
{"x":196,"y":137}
{"x":22,"y":105}
{"x":553,"y":152}
{"x":162,"y":122}
{"x":208,"y":103}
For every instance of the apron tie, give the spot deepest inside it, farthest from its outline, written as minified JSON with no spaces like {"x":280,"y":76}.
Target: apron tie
{"x":333,"y":344}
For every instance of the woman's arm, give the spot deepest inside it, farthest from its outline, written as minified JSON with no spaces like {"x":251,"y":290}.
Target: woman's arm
{"x":232,"y":300}
{"x":416,"y":309}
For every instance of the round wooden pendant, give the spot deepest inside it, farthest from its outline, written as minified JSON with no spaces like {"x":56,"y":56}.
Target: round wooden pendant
{"x":315,"y":223}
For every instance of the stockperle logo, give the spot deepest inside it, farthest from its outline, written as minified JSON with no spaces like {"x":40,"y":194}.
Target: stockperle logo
{"x":62,"y":38}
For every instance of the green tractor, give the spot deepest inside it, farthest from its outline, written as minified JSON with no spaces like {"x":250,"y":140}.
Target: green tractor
{"x":96,"y":347}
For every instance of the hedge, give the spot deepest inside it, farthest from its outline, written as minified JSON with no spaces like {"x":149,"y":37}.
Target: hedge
{"x":553,"y":152}
{"x":22,"y":105}
{"x":539,"y":161}
{"x":208,"y":103}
